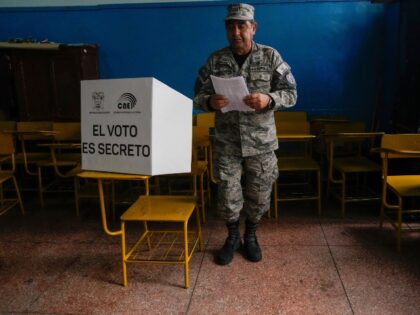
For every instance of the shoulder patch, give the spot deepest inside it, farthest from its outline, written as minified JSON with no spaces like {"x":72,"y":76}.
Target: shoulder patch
{"x":283,"y":68}
{"x":290,"y":78}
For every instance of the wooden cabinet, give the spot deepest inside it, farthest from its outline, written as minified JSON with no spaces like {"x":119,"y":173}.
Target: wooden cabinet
{"x":43,"y":82}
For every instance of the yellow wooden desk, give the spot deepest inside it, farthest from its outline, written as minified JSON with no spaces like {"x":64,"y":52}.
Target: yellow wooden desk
{"x":154,"y":246}
{"x":346,"y":158}
{"x":29,"y":157}
{"x":295,"y":163}
{"x":22,"y":133}
{"x":65,"y":159}
{"x":399,"y":186}
{"x":162,"y":246}
{"x":295,"y":137}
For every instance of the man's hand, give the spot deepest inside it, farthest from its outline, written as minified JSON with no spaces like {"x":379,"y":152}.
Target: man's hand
{"x":257,"y":100}
{"x":218,"y":101}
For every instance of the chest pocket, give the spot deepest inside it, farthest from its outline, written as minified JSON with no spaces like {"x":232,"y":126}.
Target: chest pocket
{"x":223,"y":70}
{"x":260,"y":80}
{"x":260,"y":76}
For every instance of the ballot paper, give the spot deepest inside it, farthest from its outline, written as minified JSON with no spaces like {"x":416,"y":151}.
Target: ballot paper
{"x":234,"y":89}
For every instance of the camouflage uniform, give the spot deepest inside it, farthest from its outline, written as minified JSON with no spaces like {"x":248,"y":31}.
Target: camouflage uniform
{"x":245,"y":141}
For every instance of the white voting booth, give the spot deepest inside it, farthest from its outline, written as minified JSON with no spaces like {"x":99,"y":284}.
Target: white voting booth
{"x":135,"y":126}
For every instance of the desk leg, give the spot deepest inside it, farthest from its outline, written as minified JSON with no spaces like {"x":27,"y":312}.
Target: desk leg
{"x":319,"y":193}
{"x":40,"y":187}
{"x":343,"y":196}
{"x":203,"y":202}
{"x":18,"y":194}
{"x":186,"y":255}
{"x":76,"y":185}
{"x":200,"y":238}
{"x":276,"y":209}
{"x":124,"y":264}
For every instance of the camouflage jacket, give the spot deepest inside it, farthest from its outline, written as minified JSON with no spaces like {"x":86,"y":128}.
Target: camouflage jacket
{"x":247,"y":133}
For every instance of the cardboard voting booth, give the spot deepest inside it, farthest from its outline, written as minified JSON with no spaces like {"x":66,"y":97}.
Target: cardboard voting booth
{"x":135,"y":126}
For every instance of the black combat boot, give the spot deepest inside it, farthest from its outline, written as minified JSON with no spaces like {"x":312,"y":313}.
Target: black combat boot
{"x":232,"y":243}
{"x":252,"y":250}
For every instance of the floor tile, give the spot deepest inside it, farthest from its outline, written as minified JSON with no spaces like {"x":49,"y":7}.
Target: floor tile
{"x":359,"y":231}
{"x":93,"y":285}
{"x":378,"y":280}
{"x":289,"y":280}
{"x":29,"y":269}
{"x":53,"y":262}
{"x":47,"y":226}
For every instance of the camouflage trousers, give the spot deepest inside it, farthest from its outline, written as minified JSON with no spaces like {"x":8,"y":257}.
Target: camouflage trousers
{"x":256,"y":173}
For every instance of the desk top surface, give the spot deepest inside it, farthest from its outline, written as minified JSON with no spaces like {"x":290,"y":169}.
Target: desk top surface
{"x":161,"y":208}
{"x":113,"y":176}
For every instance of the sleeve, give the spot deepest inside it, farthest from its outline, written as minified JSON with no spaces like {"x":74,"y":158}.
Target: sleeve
{"x":203,"y":88}
{"x":283,"y":85}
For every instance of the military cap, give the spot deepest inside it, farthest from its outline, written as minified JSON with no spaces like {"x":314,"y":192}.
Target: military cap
{"x":240,"y":11}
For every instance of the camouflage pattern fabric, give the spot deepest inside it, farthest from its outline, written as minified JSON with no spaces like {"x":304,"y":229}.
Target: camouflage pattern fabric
{"x":261,"y":172}
{"x":244,"y":142}
{"x":248,"y":133}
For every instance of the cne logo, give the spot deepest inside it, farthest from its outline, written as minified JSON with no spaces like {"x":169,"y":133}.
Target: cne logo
{"x":127,"y":101}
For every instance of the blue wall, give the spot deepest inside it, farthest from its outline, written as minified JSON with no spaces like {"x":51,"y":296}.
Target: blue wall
{"x":343,"y":53}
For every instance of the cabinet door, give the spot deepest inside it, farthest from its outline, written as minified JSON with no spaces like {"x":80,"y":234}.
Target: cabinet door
{"x":7,"y":101}
{"x":32,"y":74}
{"x":89,"y":63}
{"x":45,"y":83}
{"x":65,"y":82}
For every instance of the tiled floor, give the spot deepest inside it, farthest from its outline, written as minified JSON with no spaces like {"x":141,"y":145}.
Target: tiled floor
{"x":52,"y":262}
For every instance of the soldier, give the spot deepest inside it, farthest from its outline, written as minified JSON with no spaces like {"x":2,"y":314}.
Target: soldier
{"x":245,"y":141}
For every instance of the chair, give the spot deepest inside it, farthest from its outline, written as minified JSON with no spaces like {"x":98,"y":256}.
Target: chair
{"x":64,"y":169}
{"x":7,"y":125}
{"x":66,"y":162}
{"x":400,"y":186}
{"x":68,"y":132}
{"x":288,"y":116}
{"x":318,"y":123}
{"x":30,"y":134}
{"x":154,"y":246}
{"x":64,"y":159}
{"x":205,"y":119}
{"x":7,"y":155}
{"x":199,"y":170}
{"x":200,"y":165}
{"x":349,"y":163}
{"x":296,"y":165}
{"x":317,"y":126}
